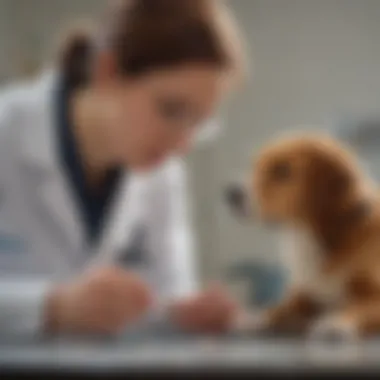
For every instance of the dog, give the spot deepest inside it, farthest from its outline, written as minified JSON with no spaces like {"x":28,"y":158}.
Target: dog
{"x":312,"y":188}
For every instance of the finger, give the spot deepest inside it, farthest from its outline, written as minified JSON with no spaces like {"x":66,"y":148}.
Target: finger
{"x":220,"y":296}
{"x":219,"y":315}
{"x":136,"y":293}
{"x":193,"y":315}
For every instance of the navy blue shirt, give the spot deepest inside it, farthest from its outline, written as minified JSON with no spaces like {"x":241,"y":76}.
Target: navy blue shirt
{"x":92,"y":204}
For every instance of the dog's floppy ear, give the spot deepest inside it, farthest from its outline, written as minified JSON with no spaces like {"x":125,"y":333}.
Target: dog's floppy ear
{"x":327,"y":184}
{"x":330,"y":180}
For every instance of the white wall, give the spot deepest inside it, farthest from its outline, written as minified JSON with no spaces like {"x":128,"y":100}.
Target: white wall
{"x":312,"y":59}
{"x":5,"y":41}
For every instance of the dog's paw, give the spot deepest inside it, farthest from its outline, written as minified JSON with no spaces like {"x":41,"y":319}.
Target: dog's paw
{"x":334,"y":329}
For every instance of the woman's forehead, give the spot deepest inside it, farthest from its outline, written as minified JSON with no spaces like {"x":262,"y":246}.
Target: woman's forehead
{"x":185,"y":77}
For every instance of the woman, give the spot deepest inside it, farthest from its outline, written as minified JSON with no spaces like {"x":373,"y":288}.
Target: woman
{"x":89,"y":166}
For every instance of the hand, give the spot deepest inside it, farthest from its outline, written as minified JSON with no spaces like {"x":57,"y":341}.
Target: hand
{"x":212,"y":311}
{"x":104,"y":301}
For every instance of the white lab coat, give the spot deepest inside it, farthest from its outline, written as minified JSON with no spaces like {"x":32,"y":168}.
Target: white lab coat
{"x":41,"y":237}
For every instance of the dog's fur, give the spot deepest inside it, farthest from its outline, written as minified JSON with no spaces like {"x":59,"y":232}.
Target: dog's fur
{"x":313,"y":187}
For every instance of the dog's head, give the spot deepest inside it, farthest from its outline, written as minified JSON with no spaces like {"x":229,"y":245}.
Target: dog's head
{"x":312,"y":180}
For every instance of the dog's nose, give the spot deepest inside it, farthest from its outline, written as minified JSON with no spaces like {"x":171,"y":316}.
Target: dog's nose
{"x":234,"y":195}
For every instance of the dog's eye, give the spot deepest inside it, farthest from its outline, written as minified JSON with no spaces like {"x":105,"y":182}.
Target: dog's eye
{"x":280,"y":171}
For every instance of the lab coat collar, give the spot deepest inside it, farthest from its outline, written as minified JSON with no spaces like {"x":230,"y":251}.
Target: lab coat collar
{"x":39,"y":148}
{"x":41,"y":157}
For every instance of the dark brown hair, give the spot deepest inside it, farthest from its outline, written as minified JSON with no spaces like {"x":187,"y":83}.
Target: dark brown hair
{"x":151,"y":34}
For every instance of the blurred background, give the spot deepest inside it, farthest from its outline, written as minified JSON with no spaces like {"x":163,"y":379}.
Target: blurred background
{"x":313,"y":61}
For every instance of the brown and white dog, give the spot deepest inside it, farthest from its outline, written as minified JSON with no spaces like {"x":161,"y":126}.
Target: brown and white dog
{"x":313,"y":188}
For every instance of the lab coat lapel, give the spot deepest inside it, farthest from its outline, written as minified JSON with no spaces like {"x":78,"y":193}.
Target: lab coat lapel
{"x":124,"y":216}
{"x":59,"y":203}
{"x":40,"y":156}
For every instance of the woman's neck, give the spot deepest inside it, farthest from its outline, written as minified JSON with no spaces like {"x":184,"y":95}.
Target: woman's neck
{"x":89,"y":137}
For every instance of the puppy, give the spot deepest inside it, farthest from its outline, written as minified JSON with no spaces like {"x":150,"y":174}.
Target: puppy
{"x":313,"y":189}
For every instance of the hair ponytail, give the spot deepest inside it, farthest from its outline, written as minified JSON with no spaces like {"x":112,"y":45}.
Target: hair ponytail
{"x":75,"y":57}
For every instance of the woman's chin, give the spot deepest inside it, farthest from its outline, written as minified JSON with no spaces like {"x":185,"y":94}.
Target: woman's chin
{"x":155,"y":161}
{"x":144,"y":163}
{"x":147,"y":165}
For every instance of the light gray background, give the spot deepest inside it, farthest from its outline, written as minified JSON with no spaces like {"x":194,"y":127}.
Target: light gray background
{"x":312,"y":60}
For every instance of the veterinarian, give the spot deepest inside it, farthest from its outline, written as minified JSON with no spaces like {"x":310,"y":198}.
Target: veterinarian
{"x":94,"y":229}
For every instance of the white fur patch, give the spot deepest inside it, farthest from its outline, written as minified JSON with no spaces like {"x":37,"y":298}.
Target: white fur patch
{"x":304,"y":258}
{"x":334,"y":325}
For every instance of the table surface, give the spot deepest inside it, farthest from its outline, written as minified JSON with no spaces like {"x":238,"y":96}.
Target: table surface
{"x":162,"y":348}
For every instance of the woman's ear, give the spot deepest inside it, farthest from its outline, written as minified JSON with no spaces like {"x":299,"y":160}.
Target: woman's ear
{"x":105,"y":69}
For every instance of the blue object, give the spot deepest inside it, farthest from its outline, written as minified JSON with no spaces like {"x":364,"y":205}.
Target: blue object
{"x":11,"y":244}
{"x":267,"y":282}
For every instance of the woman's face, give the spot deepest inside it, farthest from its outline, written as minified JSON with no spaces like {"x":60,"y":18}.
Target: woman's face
{"x":149,"y":118}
